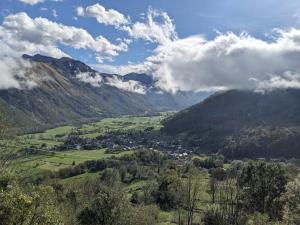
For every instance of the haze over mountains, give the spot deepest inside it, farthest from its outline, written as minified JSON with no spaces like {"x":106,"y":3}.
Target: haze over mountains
{"x":65,"y":90}
{"x":242,"y":124}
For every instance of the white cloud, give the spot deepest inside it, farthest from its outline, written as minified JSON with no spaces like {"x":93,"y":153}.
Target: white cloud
{"x":80,"y":11}
{"x":54,"y":13}
{"x":14,"y":74}
{"x":123,"y":69}
{"x":157,"y":28}
{"x":31,"y":2}
{"x":94,"y":80}
{"x":34,"y":2}
{"x":97,"y":80}
{"x":228,"y":61}
{"x":107,"y":17}
{"x":130,"y":86}
{"x":287,"y":80}
{"x":21,"y":34}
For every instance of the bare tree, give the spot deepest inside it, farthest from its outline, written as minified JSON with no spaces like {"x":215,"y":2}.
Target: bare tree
{"x":192,"y":190}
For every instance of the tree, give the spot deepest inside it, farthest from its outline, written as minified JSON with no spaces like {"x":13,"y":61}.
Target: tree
{"x":34,"y":208}
{"x":259,"y":219}
{"x":6,"y":155}
{"x":213,"y":216}
{"x":191,"y":192}
{"x":262,"y":185}
{"x":169,"y":195}
{"x":110,"y":207}
{"x":110,"y":177}
{"x":292,"y":199}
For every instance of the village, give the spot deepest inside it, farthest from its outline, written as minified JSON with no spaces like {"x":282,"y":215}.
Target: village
{"x":115,"y":142}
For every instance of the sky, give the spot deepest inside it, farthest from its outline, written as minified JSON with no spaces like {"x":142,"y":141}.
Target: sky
{"x":185,"y":45}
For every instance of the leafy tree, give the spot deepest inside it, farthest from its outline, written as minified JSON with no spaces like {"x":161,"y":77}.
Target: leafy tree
{"x":292,"y":199}
{"x":108,"y":208}
{"x":262,"y":185}
{"x":110,"y":177}
{"x":169,"y":194}
{"x":34,"y":208}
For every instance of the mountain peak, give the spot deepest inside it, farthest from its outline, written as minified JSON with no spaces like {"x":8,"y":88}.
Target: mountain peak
{"x":43,"y":58}
{"x":39,"y":58}
{"x":68,"y":66}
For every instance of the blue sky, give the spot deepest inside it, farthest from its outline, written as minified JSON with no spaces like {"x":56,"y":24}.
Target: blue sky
{"x":190,"y":17}
{"x":187,"y":45}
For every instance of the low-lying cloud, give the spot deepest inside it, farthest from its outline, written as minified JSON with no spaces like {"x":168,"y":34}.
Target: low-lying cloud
{"x":15,"y":74}
{"x":130,"y":86}
{"x":91,"y":78}
{"x":96,"y":80}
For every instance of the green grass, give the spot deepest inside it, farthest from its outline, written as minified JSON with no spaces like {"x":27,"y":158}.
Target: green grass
{"x":56,"y":136}
{"x":60,"y":160}
{"x":34,"y":164}
{"x":125,"y":123}
{"x":166,"y":218}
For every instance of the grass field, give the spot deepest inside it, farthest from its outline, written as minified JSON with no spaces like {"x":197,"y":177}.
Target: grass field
{"x":39,"y":163}
{"x":57,"y":136}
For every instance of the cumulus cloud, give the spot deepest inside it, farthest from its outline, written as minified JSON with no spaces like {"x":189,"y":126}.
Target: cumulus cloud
{"x":108,"y":17}
{"x":90,"y":78}
{"x":130,"y":86}
{"x":32,"y":2}
{"x":228,"y":61}
{"x":158,"y":28}
{"x":21,"y":34}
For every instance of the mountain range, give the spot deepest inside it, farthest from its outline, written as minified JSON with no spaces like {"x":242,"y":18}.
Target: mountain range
{"x":67,"y":91}
{"x":241,"y":124}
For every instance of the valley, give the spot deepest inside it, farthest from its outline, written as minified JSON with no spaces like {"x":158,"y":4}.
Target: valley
{"x":149,"y":112}
{"x":73,"y":157}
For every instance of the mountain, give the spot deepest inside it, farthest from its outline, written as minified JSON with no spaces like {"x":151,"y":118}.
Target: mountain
{"x":145,"y":79}
{"x":242,"y":124}
{"x":68,"y":91}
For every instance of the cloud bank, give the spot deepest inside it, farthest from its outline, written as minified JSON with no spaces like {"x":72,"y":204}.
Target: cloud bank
{"x":228,"y":61}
